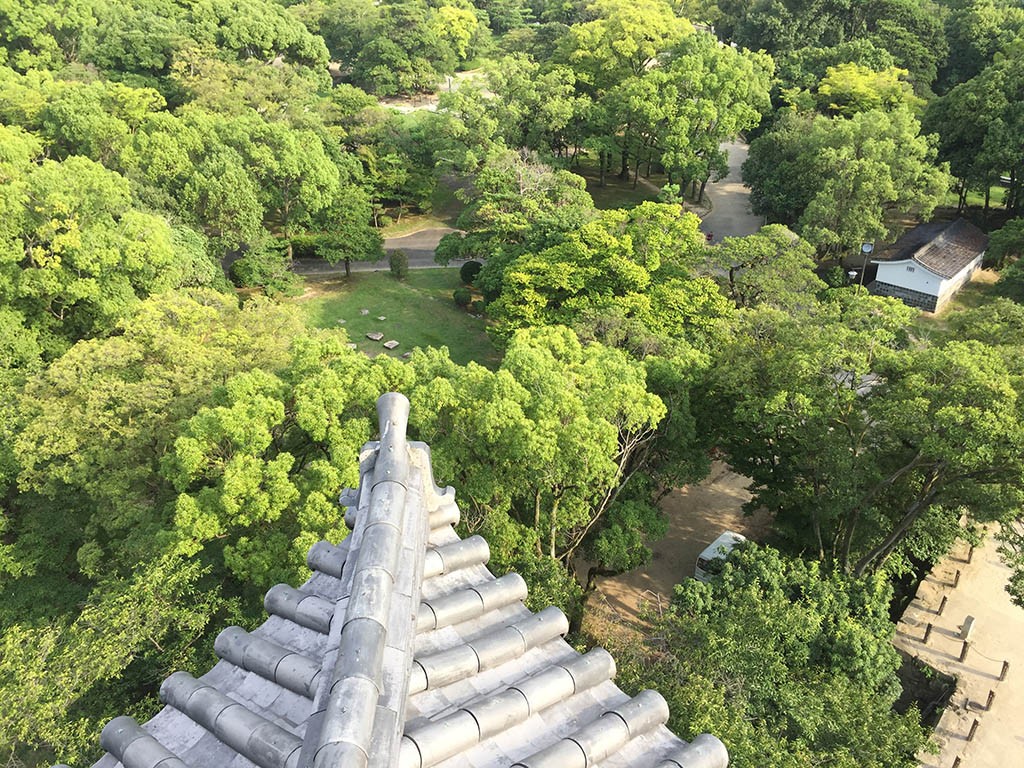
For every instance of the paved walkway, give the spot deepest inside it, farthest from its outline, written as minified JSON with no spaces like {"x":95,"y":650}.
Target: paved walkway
{"x":418,"y":246}
{"x":998,"y":631}
{"x":730,"y":199}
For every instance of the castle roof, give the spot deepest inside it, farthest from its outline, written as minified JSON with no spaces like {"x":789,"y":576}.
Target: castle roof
{"x":403,"y":650}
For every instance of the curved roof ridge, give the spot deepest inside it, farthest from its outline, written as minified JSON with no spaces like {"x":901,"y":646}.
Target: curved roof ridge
{"x":400,"y":636}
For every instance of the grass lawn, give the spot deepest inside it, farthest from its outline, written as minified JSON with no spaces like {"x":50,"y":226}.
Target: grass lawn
{"x":977,"y":200}
{"x":976,"y":293}
{"x":445,"y":208}
{"x":419,"y":312}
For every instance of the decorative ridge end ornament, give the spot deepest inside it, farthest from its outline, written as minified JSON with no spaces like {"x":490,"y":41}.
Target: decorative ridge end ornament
{"x":403,"y":650}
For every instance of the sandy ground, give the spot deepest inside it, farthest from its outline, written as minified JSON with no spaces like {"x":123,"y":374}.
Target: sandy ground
{"x":999,"y":626}
{"x":697,"y":515}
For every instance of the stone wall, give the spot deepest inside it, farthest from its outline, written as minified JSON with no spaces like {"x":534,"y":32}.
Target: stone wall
{"x":910,"y":297}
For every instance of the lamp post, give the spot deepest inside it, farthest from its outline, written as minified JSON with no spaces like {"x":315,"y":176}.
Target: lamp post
{"x":866,"y":249}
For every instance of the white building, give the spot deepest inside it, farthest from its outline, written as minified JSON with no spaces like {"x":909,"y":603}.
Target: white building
{"x":929,"y":264}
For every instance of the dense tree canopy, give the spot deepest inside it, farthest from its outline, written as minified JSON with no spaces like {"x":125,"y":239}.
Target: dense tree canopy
{"x":868,"y":451}
{"x":793,"y":665}
{"x":170,"y":447}
{"x":837,"y":179}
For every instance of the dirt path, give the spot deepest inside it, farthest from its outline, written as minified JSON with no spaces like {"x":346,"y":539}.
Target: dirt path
{"x":697,"y":515}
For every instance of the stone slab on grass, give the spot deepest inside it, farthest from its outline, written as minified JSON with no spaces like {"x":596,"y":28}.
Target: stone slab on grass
{"x":390,"y":344}
{"x":375,"y":335}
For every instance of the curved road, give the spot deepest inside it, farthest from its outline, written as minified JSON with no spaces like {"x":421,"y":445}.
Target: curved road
{"x":730,"y":200}
{"x":730,"y":216}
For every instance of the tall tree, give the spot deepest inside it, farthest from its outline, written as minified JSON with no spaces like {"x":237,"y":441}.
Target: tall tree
{"x":773,"y":267}
{"x":789,"y":664}
{"x":866,"y":452}
{"x":839,"y":179}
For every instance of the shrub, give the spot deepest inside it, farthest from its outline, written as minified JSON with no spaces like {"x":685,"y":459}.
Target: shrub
{"x":266,"y":267}
{"x":399,"y":264}
{"x":462,"y":296}
{"x":448,"y":248}
{"x":477,"y":307}
{"x":469,"y":271}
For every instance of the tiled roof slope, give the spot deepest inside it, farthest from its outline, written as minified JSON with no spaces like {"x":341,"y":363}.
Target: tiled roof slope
{"x":403,"y":650}
{"x":956,"y":247}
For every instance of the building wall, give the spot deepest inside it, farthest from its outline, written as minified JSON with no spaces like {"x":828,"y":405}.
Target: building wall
{"x":960,"y":279}
{"x":918,"y":286}
{"x":910,"y":275}
{"x":908,"y":296}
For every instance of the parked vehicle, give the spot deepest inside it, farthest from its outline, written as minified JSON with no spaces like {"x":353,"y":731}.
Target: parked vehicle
{"x":718,"y":550}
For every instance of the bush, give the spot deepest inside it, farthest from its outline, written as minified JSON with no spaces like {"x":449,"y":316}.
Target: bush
{"x":449,"y":247}
{"x":1011,"y":282}
{"x":266,"y":267}
{"x":477,"y":307}
{"x":462,"y":296}
{"x":835,"y":277}
{"x":399,"y":264}
{"x":469,"y":271}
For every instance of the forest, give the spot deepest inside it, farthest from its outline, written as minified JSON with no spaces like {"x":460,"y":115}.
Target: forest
{"x":174,"y":434}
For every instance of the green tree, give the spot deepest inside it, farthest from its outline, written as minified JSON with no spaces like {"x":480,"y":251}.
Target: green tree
{"x":979,"y":125}
{"x":773,"y":267}
{"x":550,"y":439}
{"x":787,"y":663}
{"x":124,"y":395}
{"x":637,"y":261}
{"x":838,"y":179}
{"x":77,"y":255}
{"x":1006,"y":244}
{"x":867,"y":453}
{"x":61,"y":681}
{"x":623,"y":39}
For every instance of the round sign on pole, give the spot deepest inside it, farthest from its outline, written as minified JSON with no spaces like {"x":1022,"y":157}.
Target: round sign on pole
{"x":867,"y":248}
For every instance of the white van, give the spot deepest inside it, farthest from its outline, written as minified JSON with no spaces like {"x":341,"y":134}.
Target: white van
{"x":718,"y":550}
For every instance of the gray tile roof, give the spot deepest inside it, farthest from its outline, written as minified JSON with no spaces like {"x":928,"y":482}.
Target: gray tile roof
{"x":957,"y":246}
{"x":403,"y":651}
{"x":945,"y":248}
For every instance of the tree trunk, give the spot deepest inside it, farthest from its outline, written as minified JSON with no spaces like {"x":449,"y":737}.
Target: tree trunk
{"x":962,"y":196}
{"x":854,"y":516}
{"x":536,"y":519}
{"x":703,"y":186}
{"x":348,"y":267}
{"x":636,"y":170}
{"x":554,"y":525}
{"x":875,"y":557}
{"x":603,"y":156}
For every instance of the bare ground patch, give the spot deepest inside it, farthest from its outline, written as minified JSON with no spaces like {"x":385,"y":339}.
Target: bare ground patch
{"x":697,"y":515}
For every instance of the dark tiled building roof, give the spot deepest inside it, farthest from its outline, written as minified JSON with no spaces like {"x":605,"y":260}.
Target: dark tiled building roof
{"x":944,"y":248}
{"x":403,"y":650}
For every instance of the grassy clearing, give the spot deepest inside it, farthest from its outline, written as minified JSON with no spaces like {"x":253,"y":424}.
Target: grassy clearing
{"x":997,"y":195}
{"x":976,"y":293}
{"x":445,"y":208}
{"x":419,"y":312}
{"x":617,"y":193}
